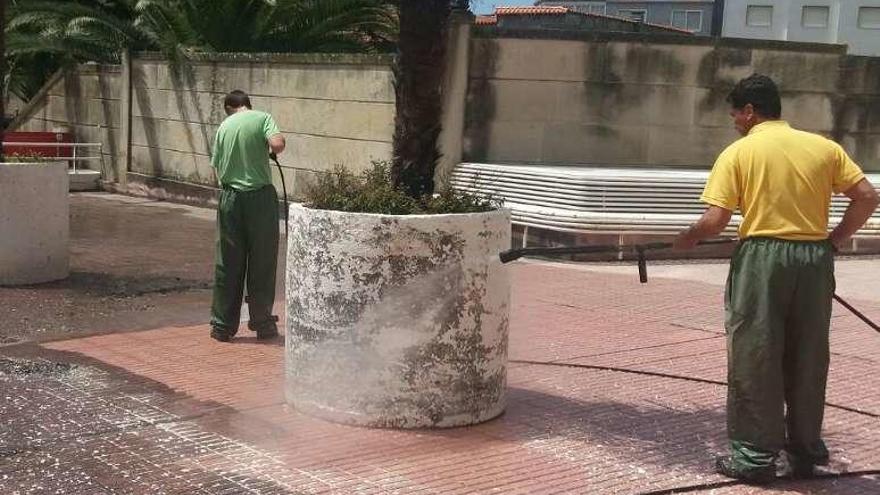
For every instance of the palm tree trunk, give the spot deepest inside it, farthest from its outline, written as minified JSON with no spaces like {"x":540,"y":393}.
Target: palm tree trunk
{"x":2,"y":75}
{"x":418,"y":84}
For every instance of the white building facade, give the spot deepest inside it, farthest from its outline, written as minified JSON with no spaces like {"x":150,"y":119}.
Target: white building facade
{"x":855,"y":23}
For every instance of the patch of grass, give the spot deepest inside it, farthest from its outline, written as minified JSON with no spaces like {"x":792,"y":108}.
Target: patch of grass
{"x":13,"y":158}
{"x":372,"y":192}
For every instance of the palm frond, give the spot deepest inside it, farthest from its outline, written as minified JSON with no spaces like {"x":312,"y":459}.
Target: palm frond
{"x":73,"y":31}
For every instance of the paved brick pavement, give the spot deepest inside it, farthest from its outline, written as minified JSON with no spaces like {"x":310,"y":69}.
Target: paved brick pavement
{"x":168,"y":410}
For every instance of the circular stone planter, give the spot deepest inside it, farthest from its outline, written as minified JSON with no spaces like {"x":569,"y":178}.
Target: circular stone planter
{"x":34,"y":222}
{"x":397,"y":321}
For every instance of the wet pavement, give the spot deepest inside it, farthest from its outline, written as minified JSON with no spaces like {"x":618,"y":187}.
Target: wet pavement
{"x":135,"y":264}
{"x":114,"y":387}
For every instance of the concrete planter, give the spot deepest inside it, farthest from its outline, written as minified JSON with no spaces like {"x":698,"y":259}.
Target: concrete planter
{"x":397,"y":321}
{"x":34,"y":222}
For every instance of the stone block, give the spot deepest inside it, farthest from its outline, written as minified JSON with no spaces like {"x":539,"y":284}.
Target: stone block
{"x":812,"y":112}
{"x":164,"y":163}
{"x":689,"y":146}
{"x":34,"y":251}
{"x":347,"y":119}
{"x":643,"y":63}
{"x":172,"y":134}
{"x":535,"y":59}
{"x":799,"y":71}
{"x":321,"y":153}
{"x":186,"y":106}
{"x":504,"y":142}
{"x":523,"y":100}
{"x":595,"y":144}
{"x":341,"y":83}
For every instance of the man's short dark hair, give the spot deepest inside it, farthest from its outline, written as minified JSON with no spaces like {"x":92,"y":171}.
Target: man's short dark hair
{"x":761,"y":92}
{"x":237,"y":99}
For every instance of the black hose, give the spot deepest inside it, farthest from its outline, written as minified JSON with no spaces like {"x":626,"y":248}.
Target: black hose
{"x":856,"y":312}
{"x":722,"y":484}
{"x":716,"y":484}
{"x":640,"y":249}
{"x":274,"y":158}
{"x":673,"y":377}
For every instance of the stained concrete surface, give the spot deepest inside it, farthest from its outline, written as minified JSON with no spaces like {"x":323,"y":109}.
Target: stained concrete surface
{"x":134,"y":264}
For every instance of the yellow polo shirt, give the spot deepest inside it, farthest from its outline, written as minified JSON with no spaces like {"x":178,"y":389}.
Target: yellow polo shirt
{"x":781,"y":179}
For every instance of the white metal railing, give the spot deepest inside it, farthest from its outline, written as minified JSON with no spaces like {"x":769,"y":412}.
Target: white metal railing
{"x":93,"y":151}
{"x":609,"y":200}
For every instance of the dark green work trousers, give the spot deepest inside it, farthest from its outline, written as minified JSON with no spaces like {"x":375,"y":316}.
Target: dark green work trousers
{"x":778,"y":314}
{"x":247,"y":251}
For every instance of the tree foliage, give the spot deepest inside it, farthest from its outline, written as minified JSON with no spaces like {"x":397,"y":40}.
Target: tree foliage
{"x":43,"y":35}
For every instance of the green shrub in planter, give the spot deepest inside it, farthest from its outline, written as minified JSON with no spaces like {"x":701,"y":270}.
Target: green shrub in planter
{"x":372,"y":192}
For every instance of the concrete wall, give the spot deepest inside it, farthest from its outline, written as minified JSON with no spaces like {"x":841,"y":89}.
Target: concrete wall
{"x":787,"y":23}
{"x":641,"y":100}
{"x":524,"y":97}
{"x":333,"y":110}
{"x":86,"y":101}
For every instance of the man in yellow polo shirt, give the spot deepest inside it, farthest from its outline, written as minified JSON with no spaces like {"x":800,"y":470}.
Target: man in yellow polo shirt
{"x":781,"y":281}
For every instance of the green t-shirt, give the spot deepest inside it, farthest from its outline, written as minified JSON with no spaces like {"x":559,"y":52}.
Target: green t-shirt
{"x":241,"y":150}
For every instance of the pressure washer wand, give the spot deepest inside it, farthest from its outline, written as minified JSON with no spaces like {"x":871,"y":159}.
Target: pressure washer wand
{"x":641,"y":249}
{"x":514,"y":254}
{"x":274,"y":158}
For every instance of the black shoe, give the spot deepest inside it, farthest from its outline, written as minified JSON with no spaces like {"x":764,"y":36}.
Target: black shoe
{"x":761,"y":476}
{"x":266,"y":330}
{"x":797,"y":468}
{"x":267,"y":334}
{"x":804,"y":466}
{"x":802,"y":471}
{"x":220,"y":335}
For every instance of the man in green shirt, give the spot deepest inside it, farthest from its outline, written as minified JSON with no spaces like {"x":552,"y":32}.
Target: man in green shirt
{"x":247,"y":219}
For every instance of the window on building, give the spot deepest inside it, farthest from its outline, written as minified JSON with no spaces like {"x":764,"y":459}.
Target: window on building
{"x":815,"y":17}
{"x":691,"y":20}
{"x":588,"y":7}
{"x":869,"y":17}
{"x":636,"y":15}
{"x":759,"y":15}
{"x":596,"y":8}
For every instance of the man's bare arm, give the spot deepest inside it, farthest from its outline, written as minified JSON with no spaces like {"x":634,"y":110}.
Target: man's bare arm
{"x":864,"y":201}
{"x":277,"y":143}
{"x":712,"y":223}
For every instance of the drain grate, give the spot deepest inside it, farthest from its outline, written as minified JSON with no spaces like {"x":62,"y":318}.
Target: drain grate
{"x":23,"y":367}
{"x":7,"y":452}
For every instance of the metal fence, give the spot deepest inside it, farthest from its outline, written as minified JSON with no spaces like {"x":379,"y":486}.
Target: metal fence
{"x":78,"y":153}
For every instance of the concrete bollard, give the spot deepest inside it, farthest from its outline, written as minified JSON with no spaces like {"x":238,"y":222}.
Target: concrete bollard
{"x":34,"y":222}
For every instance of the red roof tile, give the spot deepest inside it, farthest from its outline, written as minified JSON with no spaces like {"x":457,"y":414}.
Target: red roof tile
{"x":550,"y":10}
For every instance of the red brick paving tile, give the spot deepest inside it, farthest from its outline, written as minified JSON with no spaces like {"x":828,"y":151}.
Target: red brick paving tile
{"x":566,"y":430}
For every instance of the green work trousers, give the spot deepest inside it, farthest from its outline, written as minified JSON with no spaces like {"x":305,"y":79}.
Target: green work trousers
{"x":247,"y":252}
{"x":777,"y":316}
